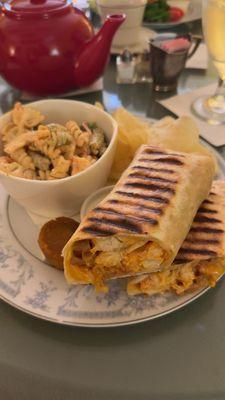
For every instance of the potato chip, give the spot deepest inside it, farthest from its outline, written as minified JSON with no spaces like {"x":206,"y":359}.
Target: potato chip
{"x":132,"y":129}
{"x":132,"y":133}
{"x":181,"y":134}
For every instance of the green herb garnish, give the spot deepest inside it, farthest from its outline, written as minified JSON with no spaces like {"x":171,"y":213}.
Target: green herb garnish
{"x":157,"y":11}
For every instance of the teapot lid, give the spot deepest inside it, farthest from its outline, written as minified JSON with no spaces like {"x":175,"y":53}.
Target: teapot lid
{"x":35,"y":8}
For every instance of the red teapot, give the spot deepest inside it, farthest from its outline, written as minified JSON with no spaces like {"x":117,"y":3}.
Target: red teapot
{"x":49,"y":47}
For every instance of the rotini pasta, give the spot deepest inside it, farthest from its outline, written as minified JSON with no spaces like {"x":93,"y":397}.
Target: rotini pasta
{"x":82,"y":138}
{"x":80,"y":164}
{"x":21,"y":156}
{"x":26,"y":117}
{"x":74,"y":129}
{"x":17,"y":150}
{"x":42,"y":143}
{"x":61,"y":168}
{"x":13,"y":168}
{"x":97,"y":142}
{"x":21,"y":141}
{"x":40,"y":161}
{"x":9,"y":132}
{"x":45,"y":152}
{"x":59,"y":135}
{"x":43,"y":175}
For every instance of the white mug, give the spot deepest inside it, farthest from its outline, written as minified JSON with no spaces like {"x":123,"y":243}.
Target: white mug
{"x":128,"y":33}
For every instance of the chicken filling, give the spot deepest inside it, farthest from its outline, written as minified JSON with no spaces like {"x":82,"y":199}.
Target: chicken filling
{"x":186,"y":277}
{"x":95,"y":261}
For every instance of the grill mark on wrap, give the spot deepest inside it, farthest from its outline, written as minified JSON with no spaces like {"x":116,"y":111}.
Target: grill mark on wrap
{"x":167,"y":160}
{"x":111,"y":211}
{"x":189,"y":255}
{"x":153,"y":151}
{"x":202,"y":241}
{"x":181,"y":260}
{"x":150,"y":169}
{"x":204,"y":218}
{"x":153,"y":198}
{"x":207,"y":201}
{"x":118,"y":223}
{"x":204,"y":210}
{"x":201,"y":251}
{"x":136,"y":206}
{"x":97,"y":231}
{"x":149,"y":186}
{"x":151,"y":178}
{"x":206,"y":229}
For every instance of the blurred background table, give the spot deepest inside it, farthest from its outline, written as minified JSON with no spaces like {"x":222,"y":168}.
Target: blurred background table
{"x":178,"y":357}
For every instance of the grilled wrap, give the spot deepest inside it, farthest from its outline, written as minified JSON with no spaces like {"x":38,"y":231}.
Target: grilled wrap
{"x":140,"y":226}
{"x":201,"y":259}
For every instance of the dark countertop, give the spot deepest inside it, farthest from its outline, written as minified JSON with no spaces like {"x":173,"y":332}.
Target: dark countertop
{"x":178,"y":357}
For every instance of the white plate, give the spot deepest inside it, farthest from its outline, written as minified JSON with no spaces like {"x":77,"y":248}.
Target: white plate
{"x":145,"y":35}
{"x":194,"y":12}
{"x":29,"y":284}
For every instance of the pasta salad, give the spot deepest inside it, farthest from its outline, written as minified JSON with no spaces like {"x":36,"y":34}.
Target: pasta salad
{"x":33,"y":150}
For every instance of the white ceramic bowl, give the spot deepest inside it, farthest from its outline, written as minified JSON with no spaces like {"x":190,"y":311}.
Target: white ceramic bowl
{"x":64,"y":196}
{"x":129,"y":32}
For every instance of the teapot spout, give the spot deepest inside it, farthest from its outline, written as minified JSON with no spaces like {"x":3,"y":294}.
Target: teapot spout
{"x":93,"y":58}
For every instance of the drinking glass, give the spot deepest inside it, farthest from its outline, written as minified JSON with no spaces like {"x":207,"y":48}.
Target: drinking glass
{"x":212,"y":108}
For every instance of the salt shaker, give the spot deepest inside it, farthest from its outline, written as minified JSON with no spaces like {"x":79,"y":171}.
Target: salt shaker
{"x":125,"y":64}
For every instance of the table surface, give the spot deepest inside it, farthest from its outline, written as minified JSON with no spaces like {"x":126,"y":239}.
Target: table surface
{"x":178,"y":357}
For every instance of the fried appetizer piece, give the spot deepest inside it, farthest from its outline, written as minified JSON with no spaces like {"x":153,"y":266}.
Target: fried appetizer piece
{"x":53,"y":237}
